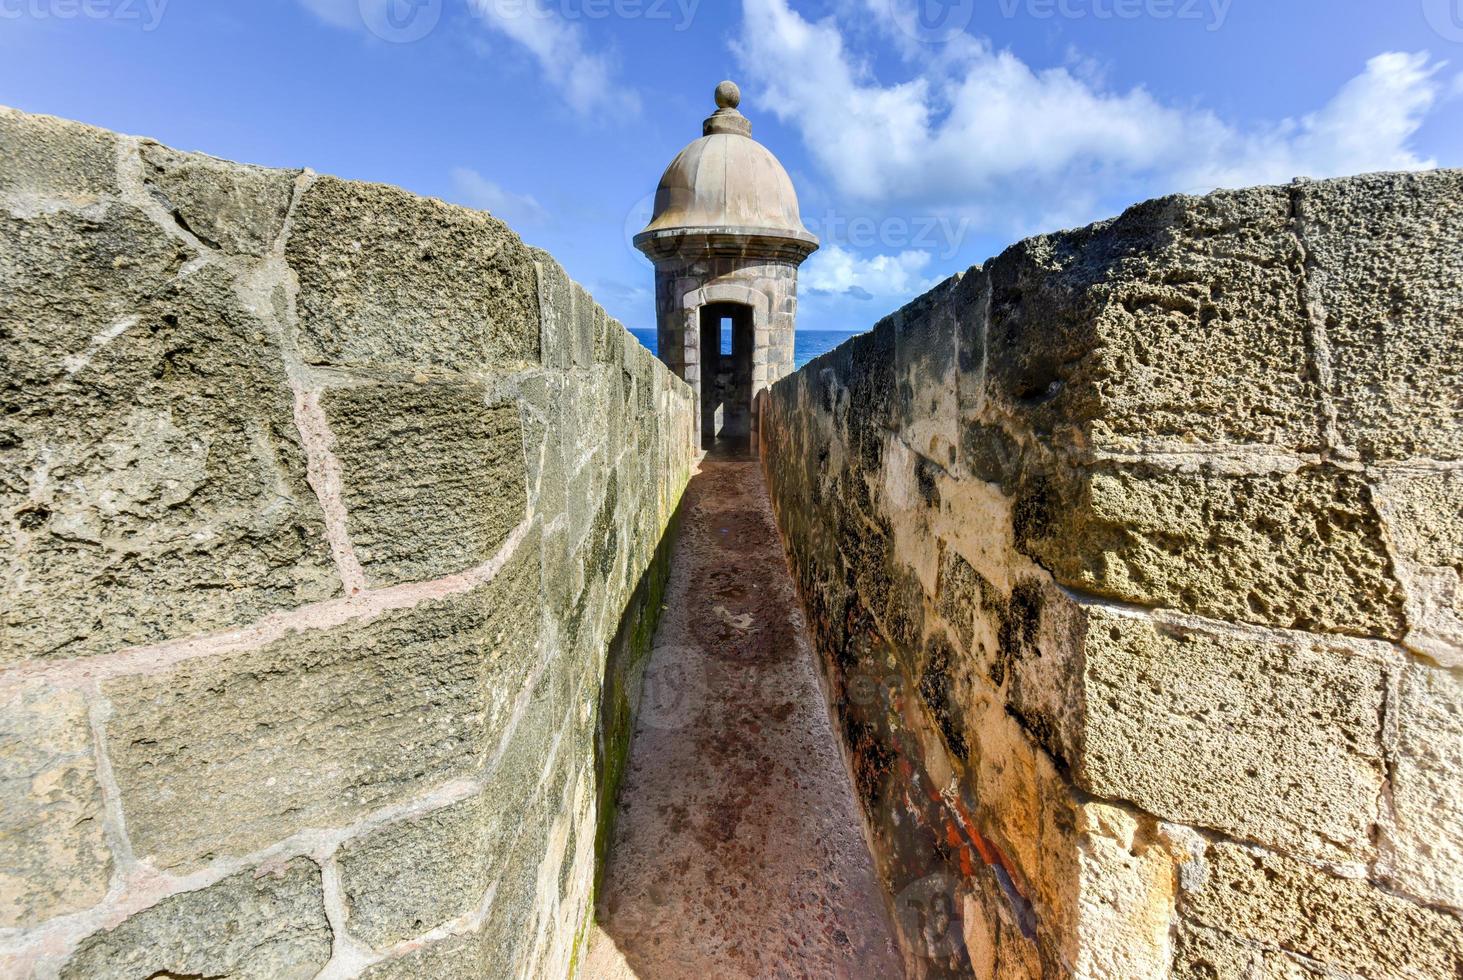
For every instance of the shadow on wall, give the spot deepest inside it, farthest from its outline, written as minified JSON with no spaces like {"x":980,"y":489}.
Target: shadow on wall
{"x":619,"y":701}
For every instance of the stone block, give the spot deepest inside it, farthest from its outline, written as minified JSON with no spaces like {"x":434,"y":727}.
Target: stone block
{"x":391,"y":280}
{"x":993,"y":940}
{"x":340,"y":722}
{"x":1272,"y":738}
{"x":1207,"y":954}
{"x":53,"y":855}
{"x":1204,"y":954}
{"x":1300,"y":550}
{"x":434,"y":476}
{"x":537,"y":405}
{"x":556,"y":312}
{"x":236,"y":208}
{"x":518,"y":900}
{"x":148,"y":445}
{"x":927,"y":375}
{"x":411,"y":877}
{"x":1422,"y":511}
{"x":1342,"y":924}
{"x":582,"y":496}
{"x":1384,"y":277}
{"x":255,"y":925}
{"x":1422,"y":841}
{"x":612,"y":351}
{"x":56,"y":158}
{"x":865,"y":365}
{"x":456,"y":956}
{"x":529,"y":764}
{"x":613,"y":407}
{"x":1178,"y":321}
{"x":1035,"y":635}
{"x":1124,"y":895}
{"x":588,"y":321}
{"x":585,"y":419}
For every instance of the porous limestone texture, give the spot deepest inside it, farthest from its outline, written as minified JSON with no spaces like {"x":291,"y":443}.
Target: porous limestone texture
{"x":1134,"y":561}
{"x":262,"y":925}
{"x":335,"y":537}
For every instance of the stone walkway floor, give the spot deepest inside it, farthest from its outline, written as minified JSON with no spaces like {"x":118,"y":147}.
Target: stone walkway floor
{"x":738,"y":851}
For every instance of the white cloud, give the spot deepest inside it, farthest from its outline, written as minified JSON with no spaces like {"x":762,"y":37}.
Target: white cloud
{"x":974,"y":129}
{"x":1366,"y":126}
{"x":477,"y":191}
{"x":586,"y":78}
{"x":834,"y":269}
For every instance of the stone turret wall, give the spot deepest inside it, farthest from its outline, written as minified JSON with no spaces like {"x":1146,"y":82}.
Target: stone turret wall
{"x":767,"y":288}
{"x":1134,"y":559}
{"x":334,"y":523}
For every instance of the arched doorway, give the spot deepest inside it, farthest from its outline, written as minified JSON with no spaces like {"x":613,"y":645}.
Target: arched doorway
{"x":728,"y":339}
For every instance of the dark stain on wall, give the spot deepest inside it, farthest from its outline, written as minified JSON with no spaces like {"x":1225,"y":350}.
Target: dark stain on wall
{"x":1033,"y":517}
{"x":1020,"y":618}
{"x":937,"y":687}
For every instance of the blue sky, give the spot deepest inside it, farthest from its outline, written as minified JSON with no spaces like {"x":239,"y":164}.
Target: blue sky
{"x":923,"y":135}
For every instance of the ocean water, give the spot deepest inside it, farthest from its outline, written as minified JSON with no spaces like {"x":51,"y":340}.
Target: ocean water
{"x":809,"y":343}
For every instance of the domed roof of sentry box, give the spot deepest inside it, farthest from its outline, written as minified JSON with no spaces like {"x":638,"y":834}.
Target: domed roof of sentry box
{"x":727,"y":187}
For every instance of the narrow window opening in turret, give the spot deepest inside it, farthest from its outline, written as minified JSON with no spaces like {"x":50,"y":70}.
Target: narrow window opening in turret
{"x":728,"y":337}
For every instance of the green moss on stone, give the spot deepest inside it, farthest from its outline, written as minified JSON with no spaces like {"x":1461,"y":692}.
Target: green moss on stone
{"x":629,"y":652}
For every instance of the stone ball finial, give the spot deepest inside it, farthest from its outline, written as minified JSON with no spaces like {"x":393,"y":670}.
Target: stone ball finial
{"x":728,"y":96}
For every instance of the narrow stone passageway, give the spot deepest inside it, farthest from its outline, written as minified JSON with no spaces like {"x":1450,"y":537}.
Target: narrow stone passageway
{"x":738,"y":850}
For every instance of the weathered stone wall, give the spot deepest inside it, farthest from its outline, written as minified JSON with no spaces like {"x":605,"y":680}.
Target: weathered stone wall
{"x":1135,"y":560}
{"x":333,"y":547}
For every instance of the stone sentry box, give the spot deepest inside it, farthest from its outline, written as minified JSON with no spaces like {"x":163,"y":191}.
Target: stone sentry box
{"x":727,"y":239}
